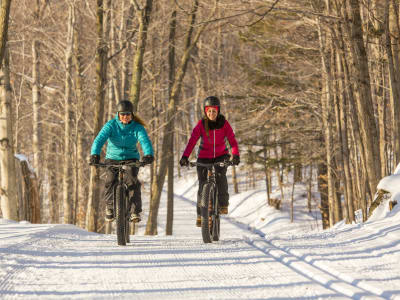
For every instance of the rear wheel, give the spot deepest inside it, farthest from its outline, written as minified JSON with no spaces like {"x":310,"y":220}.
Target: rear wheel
{"x":206,"y":213}
{"x":120,"y":215}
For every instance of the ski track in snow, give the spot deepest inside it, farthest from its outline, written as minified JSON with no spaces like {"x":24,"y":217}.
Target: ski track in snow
{"x":64,"y":262}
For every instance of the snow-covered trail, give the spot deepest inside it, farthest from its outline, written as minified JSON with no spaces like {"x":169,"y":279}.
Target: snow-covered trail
{"x":63,"y":262}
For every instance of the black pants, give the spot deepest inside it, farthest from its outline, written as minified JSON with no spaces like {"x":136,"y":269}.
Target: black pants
{"x":220,"y":177}
{"x":131,"y":180}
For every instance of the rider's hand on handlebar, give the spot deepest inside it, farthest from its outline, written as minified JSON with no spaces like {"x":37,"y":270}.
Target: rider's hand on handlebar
{"x":148,"y":159}
{"x":184,"y":161}
{"x":94,"y":159}
{"x":236,"y":160}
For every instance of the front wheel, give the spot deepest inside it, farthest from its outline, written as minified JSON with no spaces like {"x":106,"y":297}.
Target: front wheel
{"x":207,"y":216}
{"x":120,"y":214}
{"x":216,"y":222}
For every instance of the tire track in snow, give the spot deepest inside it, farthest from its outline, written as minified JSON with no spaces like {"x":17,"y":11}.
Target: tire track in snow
{"x":318,"y":271}
{"x":10,"y":269}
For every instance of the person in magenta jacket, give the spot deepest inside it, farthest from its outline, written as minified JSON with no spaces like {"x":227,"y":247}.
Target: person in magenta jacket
{"x":213,"y":130}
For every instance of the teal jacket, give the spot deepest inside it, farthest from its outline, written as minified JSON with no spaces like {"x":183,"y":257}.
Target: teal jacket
{"x":122,"y":140}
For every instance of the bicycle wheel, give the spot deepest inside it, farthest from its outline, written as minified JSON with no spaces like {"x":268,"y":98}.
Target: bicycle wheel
{"x":206,"y":213}
{"x":216,"y":219}
{"x":127,"y":214}
{"x":120,"y":215}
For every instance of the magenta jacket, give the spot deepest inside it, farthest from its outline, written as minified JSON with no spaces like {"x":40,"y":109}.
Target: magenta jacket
{"x":214,"y":145}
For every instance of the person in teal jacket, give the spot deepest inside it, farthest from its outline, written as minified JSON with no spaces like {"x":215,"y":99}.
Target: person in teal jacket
{"x":122,"y":135}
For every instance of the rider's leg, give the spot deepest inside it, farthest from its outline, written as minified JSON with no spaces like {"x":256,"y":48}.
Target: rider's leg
{"x":222,"y":183}
{"x":135,"y":195}
{"x":110,"y":181}
{"x":202,"y":177}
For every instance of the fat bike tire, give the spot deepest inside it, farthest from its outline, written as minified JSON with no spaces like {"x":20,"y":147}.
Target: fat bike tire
{"x":127,"y":226}
{"x":120,"y":215}
{"x":216,"y":223}
{"x":206,"y":213}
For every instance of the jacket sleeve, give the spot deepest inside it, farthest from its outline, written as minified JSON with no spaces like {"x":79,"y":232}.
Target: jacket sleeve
{"x":230,"y":135}
{"x":196,"y":133}
{"x":144,"y":141}
{"x":101,"y":138}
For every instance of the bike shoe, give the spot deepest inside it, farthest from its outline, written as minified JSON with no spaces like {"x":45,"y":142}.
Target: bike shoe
{"x":223,"y":210}
{"x":109,"y":214}
{"x":198,"y":221}
{"x":135,"y":218}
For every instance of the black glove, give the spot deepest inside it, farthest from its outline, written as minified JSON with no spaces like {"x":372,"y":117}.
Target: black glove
{"x":236,"y":160}
{"x":148,"y":159}
{"x":184,"y":161}
{"x":94,"y":159}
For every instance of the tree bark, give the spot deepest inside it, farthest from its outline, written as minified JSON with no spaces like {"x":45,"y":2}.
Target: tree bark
{"x":101,"y":77}
{"x":4,"y":17}
{"x":8,"y":188}
{"x":143,"y":17}
{"x":171,"y":76}
{"x":369,"y":133}
{"x":394,"y":87}
{"x":67,"y":170}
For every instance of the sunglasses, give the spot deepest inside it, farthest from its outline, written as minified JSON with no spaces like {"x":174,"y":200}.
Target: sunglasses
{"x":125,"y":113}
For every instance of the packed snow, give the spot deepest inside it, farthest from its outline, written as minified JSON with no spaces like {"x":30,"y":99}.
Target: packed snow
{"x":261,"y":254}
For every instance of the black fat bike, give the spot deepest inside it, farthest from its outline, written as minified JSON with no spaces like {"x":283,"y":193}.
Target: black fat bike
{"x":121,"y":204}
{"x":209,"y":207}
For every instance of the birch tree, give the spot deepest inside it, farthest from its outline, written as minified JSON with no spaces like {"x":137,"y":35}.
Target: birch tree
{"x":67,"y":172}
{"x":8,"y":191}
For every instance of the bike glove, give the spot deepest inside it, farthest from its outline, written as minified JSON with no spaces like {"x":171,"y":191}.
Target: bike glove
{"x":236,"y":160}
{"x":184,"y":161}
{"x":148,"y":159}
{"x":94,"y":159}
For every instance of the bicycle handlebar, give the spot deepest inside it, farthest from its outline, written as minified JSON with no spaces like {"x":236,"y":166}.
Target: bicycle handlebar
{"x":133,"y":163}
{"x":219,"y":164}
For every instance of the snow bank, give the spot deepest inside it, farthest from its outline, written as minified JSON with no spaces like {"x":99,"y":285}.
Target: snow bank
{"x":391,"y":184}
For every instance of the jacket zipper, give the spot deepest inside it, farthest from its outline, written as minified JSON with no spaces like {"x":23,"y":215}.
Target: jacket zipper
{"x":214,"y":143}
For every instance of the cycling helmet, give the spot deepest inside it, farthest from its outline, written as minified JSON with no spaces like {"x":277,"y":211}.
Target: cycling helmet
{"x":125,"y":106}
{"x":211,"y":101}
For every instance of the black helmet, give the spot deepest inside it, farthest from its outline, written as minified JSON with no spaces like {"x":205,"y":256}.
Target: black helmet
{"x":125,"y":106}
{"x":211,"y":101}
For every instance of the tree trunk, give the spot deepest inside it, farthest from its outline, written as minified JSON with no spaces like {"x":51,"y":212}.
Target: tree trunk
{"x":101,"y":76}
{"x":80,"y":132}
{"x":36,"y":104}
{"x":171,"y":76}
{"x":67,"y":172}
{"x":4,"y":17}
{"x":394,"y":88}
{"x":323,"y":191}
{"x":8,"y":188}
{"x":326,"y":100}
{"x":143,"y":17}
{"x":53,"y":193}
{"x":369,"y":133}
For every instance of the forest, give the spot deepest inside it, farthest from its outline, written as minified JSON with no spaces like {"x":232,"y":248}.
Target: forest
{"x":311,"y":88}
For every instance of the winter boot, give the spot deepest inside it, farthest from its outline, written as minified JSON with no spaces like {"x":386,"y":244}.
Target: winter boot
{"x":198,"y":221}
{"x":109,"y":214}
{"x":223,"y":210}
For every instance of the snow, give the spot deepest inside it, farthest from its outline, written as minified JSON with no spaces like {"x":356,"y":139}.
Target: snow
{"x":261,"y":255}
{"x":391,"y":184}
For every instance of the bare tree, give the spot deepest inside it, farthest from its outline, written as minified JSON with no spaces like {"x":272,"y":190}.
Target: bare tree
{"x":8,"y":186}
